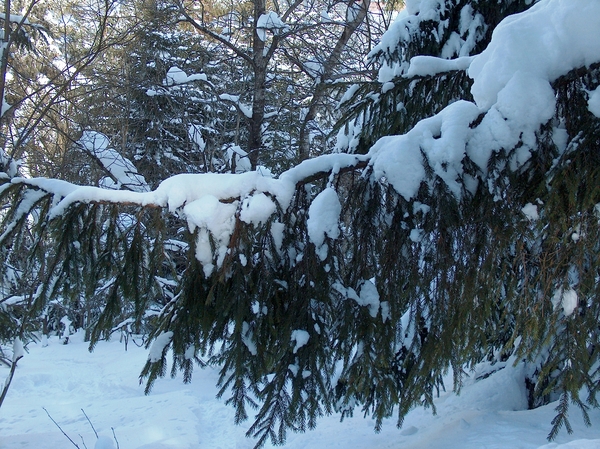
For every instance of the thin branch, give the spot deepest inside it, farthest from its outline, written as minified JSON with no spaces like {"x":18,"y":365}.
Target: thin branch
{"x":291,"y":9}
{"x":98,"y":46}
{"x":115,"y":437}
{"x":91,"y":425}
{"x":60,"y":428}
{"x":189,"y":19}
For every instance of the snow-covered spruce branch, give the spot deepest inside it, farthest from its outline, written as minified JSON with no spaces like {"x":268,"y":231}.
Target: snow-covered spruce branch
{"x":181,"y":190}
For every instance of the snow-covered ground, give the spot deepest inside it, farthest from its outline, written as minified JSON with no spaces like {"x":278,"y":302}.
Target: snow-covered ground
{"x":64,"y":379}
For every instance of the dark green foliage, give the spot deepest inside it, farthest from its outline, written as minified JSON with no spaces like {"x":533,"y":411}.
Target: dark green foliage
{"x":388,"y":111}
{"x":95,"y":266}
{"x":410,"y":99}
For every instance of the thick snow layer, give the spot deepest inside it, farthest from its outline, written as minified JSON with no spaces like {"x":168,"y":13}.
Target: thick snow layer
{"x":531,"y":211}
{"x":323,"y":219}
{"x":430,"y":65}
{"x":300,"y":337}
{"x":67,"y":378}
{"x":120,"y":168}
{"x":18,"y":349}
{"x":177,"y":76}
{"x":209,"y":214}
{"x":257,"y":209}
{"x":183,"y":189}
{"x":442,"y":137}
{"x":272,"y":22}
{"x":594,"y":102}
{"x":209,"y":202}
{"x":369,"y":297}
{"x":542,"y":43}
{"x":159,"y":346}
{"x":567,"y":299}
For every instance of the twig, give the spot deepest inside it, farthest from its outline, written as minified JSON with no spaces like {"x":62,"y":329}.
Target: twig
{"x":88,"y":419}
{"x":13,"y":368}
{"x":83,"y":441}
{"x":6,"y":360}
{"x":115,"y":437}
{"x":60,"y":428}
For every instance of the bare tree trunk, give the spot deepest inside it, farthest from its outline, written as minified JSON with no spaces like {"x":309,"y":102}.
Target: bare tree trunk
{"x":260,"y":62}
{"x":4,"y":51}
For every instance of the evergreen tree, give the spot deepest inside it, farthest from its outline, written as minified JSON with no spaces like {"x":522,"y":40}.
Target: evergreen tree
{"x":45,"y":51}
{"x":163,"y":115}
{"x":358,"y":280}
{"x":290,"y":57}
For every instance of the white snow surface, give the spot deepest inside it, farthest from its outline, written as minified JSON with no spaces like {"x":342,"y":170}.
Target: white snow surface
{"x":431,"y":65}
{"x":159,"y":345}
{"x":66,"y":378}
{"x":104,"y":442}
{"x":323,"y":219}
{"x":300,"y":337}
{"x":175,"y":76}
{"x":257,"y":209}
{"x":442,"y":137}
{"x":272,"y":22}
{"x":541,"y":44}
{"x":120,"y":168}
{"x":594,"y":102}
{"x":18,"y":350}
{"x":369,"y":297}
{"x":567,"y":299}
{"x":531,"y":211}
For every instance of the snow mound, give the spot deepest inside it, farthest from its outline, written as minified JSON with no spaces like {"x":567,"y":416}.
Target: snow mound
{"x":544,"y":42}
{"x":104,"y":442}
